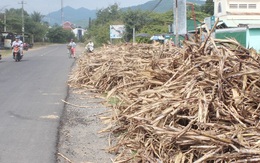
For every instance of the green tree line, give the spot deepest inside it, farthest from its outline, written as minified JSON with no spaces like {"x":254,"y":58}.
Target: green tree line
{"x":34,"y":26}
{"x":142,"y":21}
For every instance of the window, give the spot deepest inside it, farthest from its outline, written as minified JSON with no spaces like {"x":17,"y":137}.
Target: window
{"x":233,"y":6}
{"x":219,"y":8}
{"x":252,"y":6}
{"x":243,"y":6}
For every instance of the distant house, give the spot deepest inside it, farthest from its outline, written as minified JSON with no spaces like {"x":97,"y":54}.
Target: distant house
{"x":248,"y":36}
{"x":67,"y":25}
{"x":79,"y":32}
{"x":236,"y":12}
{"x":242,"y":20}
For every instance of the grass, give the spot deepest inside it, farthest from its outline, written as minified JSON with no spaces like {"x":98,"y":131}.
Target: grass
{"x":8,"y":52}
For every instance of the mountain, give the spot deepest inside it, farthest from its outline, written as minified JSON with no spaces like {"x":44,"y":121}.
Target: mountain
{"x":80,"y":17}
{"x":163,"y":6}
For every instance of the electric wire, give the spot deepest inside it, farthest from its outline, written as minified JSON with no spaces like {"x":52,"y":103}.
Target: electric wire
{"x":156,"y":5}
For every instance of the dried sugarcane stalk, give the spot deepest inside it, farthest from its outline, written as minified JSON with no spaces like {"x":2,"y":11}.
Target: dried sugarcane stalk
{"x":178,"y":104}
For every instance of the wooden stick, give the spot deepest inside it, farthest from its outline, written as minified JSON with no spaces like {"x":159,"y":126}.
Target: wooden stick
{"x":64,"y":157}
{"x":77,"y":105}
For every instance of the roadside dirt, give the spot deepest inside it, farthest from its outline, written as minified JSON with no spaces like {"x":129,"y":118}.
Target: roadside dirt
{"x":79,"y":137}
{"x":79,"y":140}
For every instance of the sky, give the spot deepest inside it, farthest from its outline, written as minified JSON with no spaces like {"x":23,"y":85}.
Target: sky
{"x":47,"y":6}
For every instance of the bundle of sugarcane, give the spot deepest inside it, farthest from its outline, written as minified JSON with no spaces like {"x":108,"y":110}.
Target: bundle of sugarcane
{"x":199,"y":103}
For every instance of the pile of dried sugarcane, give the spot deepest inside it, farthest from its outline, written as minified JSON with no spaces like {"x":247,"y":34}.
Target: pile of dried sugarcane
{"x":198,"y":103}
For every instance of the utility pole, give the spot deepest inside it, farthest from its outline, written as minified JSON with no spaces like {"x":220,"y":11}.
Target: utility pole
{"x":5,"y":21}
{"x":4,"y":17}
{"x":22,"y":2}
{"x":133,"y":35}
{"x":176,"y":24}
{"x":180,"y":19}
{"x":61,"y":12}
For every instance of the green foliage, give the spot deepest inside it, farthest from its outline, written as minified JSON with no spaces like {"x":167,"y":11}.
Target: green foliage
{"x":162,"y":18}
{"x":208,"y":7}
{"x":198,"y":15}
{"x":134,"y":19}
{"x":99,"y":29}
{"x":140,"y":20}
{"x":37,"y":17}
{"x":38,"y":30}
{"x":147,"y":22}
{"x":59,"y":35}
{"x":1,"y":21}
{"x":111,"y":13}
{"x":14,"y":20}
{"x":99,"y":34}
{"x":32,"y":23}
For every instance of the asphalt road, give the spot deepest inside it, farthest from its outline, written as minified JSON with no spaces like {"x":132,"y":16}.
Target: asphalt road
{"x":30,"y":104}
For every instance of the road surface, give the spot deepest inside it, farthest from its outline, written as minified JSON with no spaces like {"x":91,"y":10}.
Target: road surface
{"x":30,"y":104}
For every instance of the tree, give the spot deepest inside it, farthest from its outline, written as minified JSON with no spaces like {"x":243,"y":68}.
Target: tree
{"x":134,"y":19}
{"x":36,"y":27}
{"x":143,"y":22}
{"x":14,"y":20}
{"x":37,"y":17}
{"x":99,"y":28}
{"x":110,"y":13}
{"x":59,"y":35}
{"x":2,"y":21}
{"x":33,"y":24}
{"x":208,"y":7}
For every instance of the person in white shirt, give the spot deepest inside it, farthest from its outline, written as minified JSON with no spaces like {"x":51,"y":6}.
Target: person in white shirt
{"x":73,"y":45}
{"x":90,"y":46}
{"x":19,"y":43}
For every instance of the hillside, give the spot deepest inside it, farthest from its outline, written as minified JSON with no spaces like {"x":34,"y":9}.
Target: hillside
{"x":164,"y":6}
{"x":80,"y":17}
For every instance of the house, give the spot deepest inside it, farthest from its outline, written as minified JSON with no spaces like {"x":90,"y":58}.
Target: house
{"x":78,"y":32}
{"x":236,"y":12}
{"x":6,"y":39}
{"x":241,"y":19}
{"x":67,"y":25}
{"x":248,"y":36}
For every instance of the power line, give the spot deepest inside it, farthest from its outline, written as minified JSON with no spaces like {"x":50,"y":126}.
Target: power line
{"x":156,"y":5}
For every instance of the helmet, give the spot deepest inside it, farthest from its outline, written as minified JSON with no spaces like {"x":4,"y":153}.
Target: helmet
{"x":17,"y":37}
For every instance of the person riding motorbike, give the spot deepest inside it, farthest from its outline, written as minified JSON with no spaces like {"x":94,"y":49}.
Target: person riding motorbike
{"x":17,"y":42}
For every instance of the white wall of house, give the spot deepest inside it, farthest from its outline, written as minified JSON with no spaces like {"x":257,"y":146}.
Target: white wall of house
{"x":235,"y":12}
{"x":79,"y":32}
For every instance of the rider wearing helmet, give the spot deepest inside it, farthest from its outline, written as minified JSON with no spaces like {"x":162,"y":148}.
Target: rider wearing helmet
{"x":19,"y":43}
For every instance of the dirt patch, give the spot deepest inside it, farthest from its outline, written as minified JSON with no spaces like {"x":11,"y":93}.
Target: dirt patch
{"x":79,"y":140}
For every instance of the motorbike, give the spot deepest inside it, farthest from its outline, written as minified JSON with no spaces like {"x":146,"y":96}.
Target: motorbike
{"x":17,"y":54}
{"x":25,"y":46}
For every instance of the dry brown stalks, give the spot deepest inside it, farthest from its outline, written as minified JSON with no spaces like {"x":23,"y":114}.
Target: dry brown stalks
{"x":178,"y":105}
